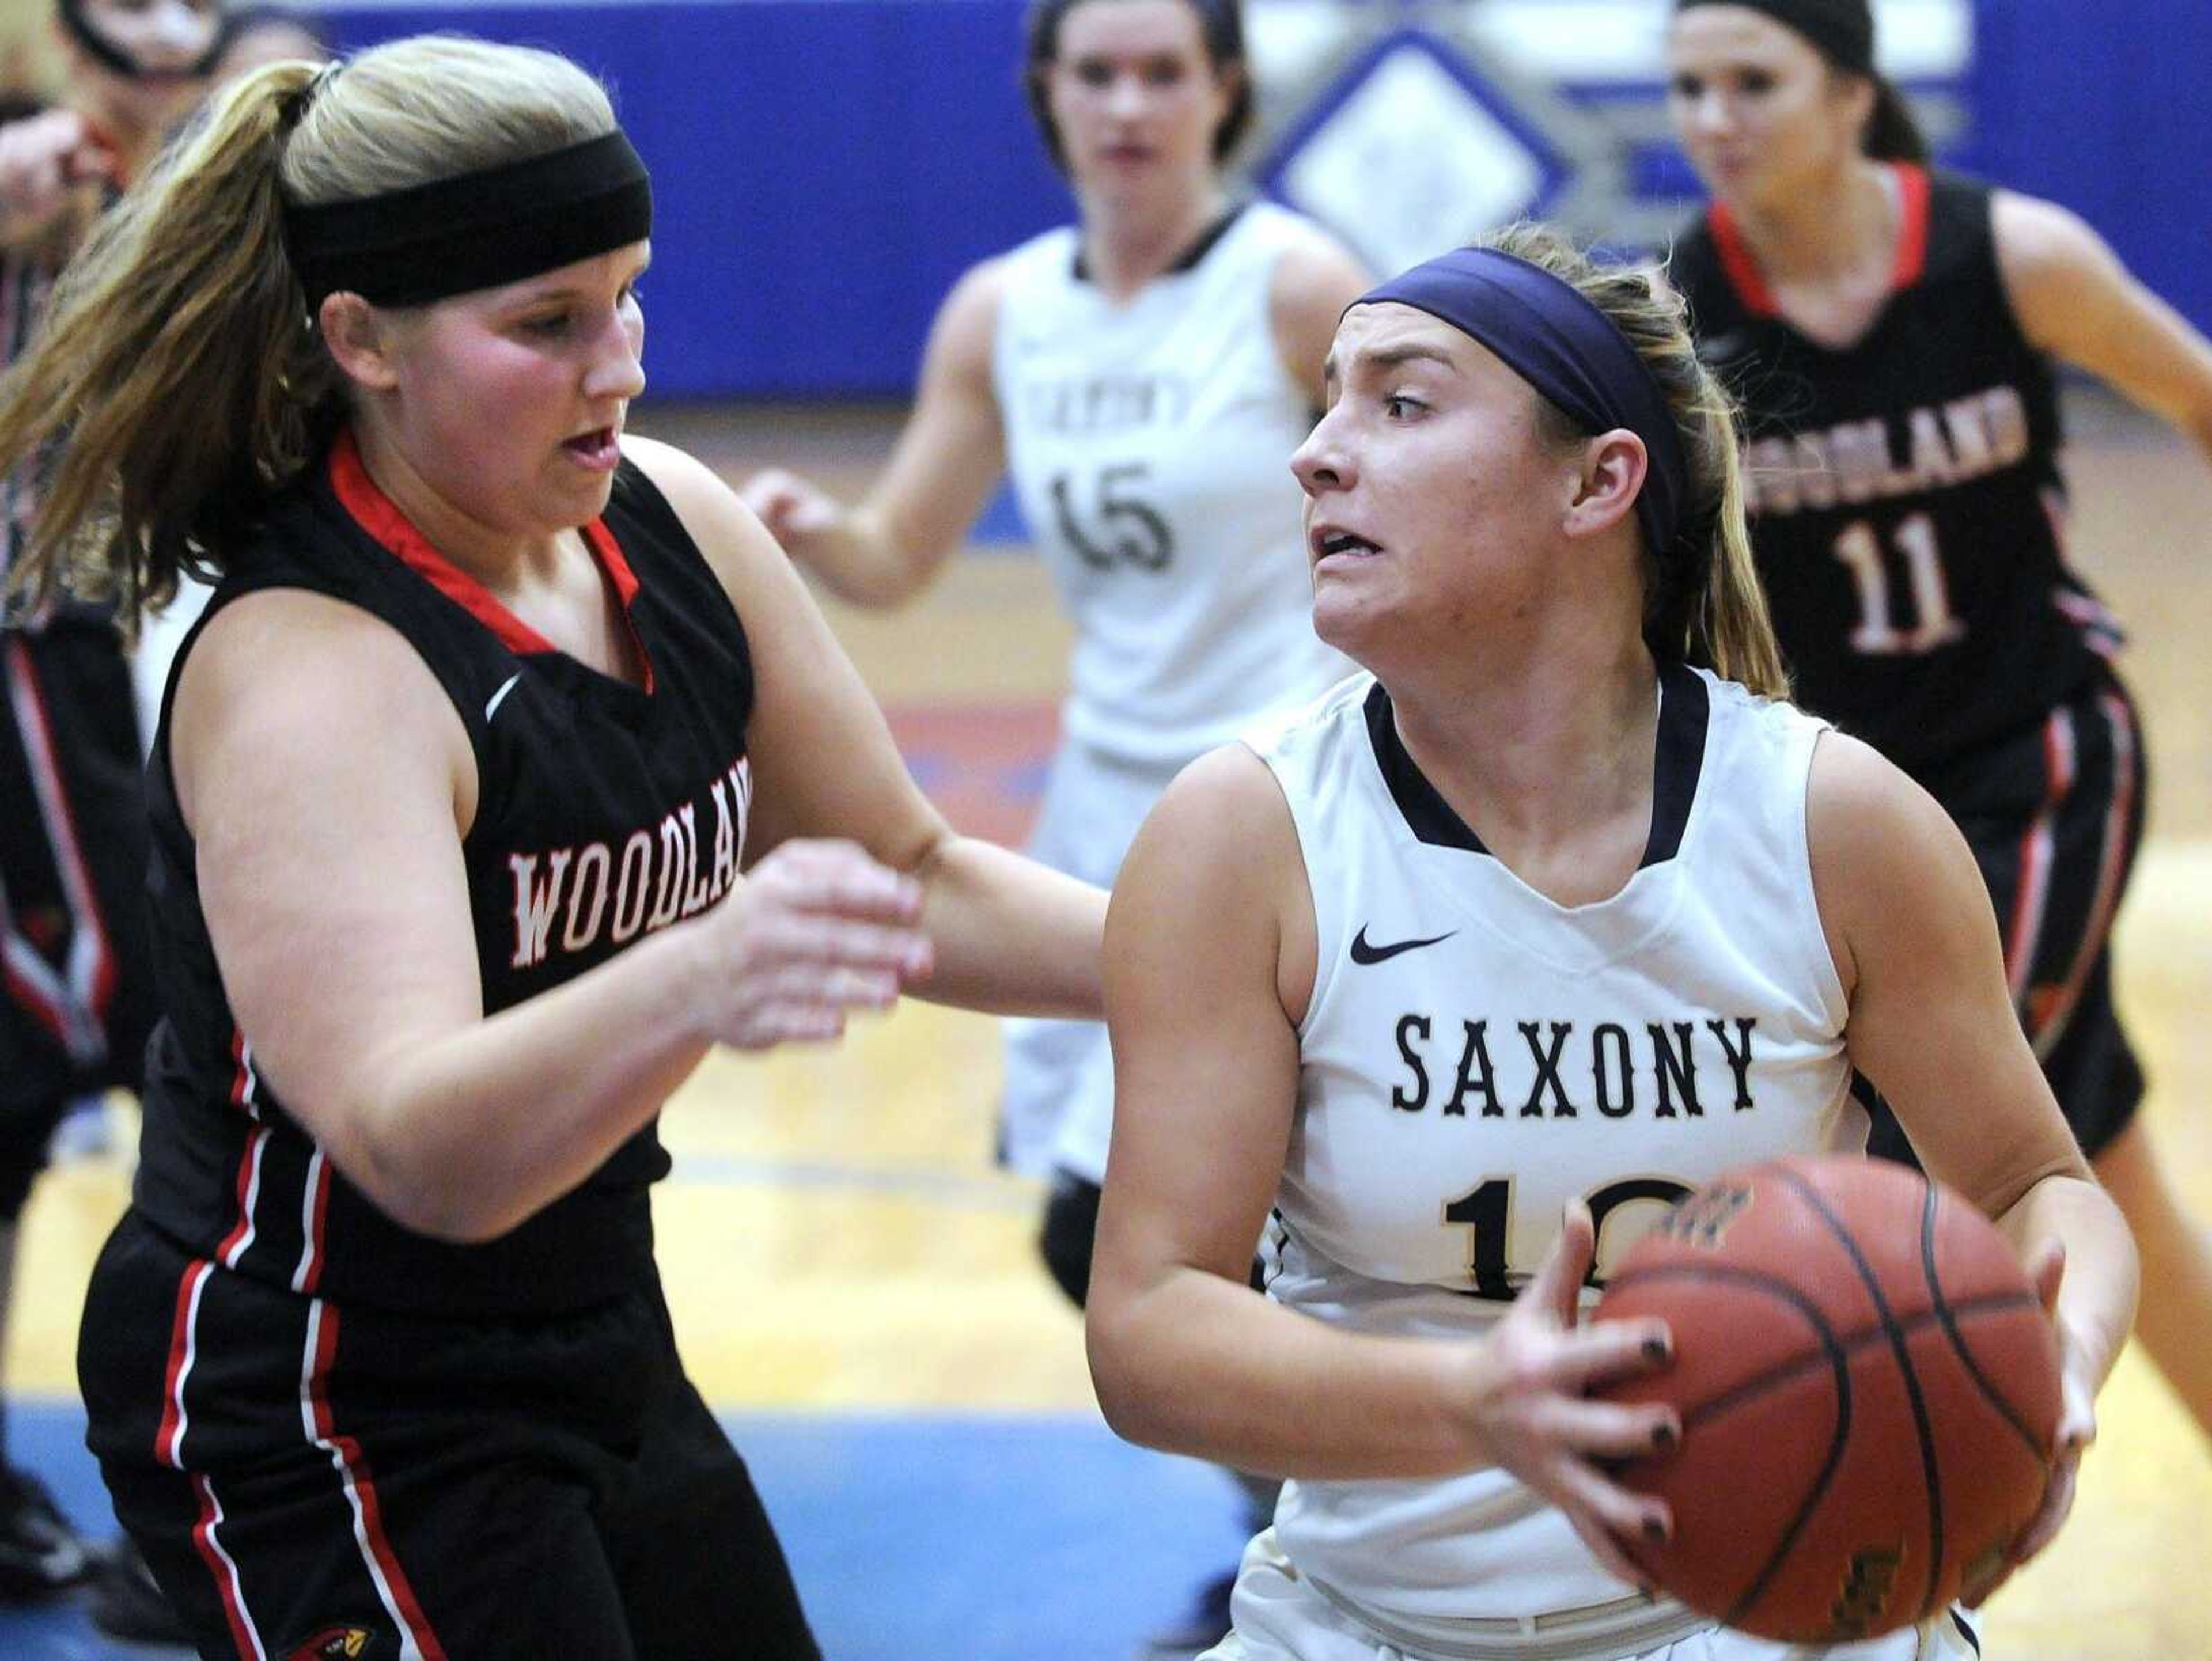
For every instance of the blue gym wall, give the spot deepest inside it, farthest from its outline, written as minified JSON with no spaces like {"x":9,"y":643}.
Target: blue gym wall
{"x":826,"y":168}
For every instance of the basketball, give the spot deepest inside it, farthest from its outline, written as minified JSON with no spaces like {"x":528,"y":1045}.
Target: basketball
{"x":1868,"y":1390}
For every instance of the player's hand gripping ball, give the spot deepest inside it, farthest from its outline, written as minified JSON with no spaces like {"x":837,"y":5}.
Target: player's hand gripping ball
{"x":1869,"y":1394}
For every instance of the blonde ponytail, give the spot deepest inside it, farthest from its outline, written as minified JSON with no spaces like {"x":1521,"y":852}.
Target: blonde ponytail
{"x":1703,"y":603}
{"x":173,"y":383}
{"x":178,"y":383}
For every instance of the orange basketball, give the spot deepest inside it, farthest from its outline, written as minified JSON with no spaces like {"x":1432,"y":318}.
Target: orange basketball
{"x":1869,"y":1391}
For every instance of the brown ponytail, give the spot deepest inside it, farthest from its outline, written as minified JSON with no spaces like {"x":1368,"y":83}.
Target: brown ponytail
{"x":1892,"y":133}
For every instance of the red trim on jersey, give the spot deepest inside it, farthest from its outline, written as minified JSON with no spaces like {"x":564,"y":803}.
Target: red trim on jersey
{"x":90,"y":969}
{"x":2053,"y":1007}
{"x":225,"y":1571}
{"x":379,"y":516}
{"x":617,"y":568}
{"x":353,"y":1469}
{"x":1911,"y":262}
{"x":1739,"y":265}
{"x":235,"y":1243}
{"x":1908,"y":264}
{"x":246,"y":1082}
{"x":2037,"y":852}
{"x":316,"y":1209}
{"x":168,"y":1440}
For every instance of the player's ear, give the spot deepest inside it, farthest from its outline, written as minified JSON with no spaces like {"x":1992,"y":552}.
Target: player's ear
{"x":361,"y":340}
{"x":1613,"y":466}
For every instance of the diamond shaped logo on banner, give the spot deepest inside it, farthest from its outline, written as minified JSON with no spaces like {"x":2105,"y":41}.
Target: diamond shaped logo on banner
{"x":1411,"y":153}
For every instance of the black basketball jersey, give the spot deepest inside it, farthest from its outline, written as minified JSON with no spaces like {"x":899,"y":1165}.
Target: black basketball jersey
{"x":605,"y":811}
{"x":1905,"y":494}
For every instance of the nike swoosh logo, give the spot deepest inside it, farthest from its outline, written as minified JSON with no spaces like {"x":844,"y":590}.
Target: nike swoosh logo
{"x":500,"y":697}
{"x":1364,"y":952}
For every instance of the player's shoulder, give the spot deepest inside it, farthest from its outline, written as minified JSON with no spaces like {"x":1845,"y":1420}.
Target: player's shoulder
{"x":1224,"y":816}
{"x":685,"y":483}
{"x":1309,"y":260}
{"x":967,"y":324}
{"x":1864,"y":811}
{"x":2041,"y":243}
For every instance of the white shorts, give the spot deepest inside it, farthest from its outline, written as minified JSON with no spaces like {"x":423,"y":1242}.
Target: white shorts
{"x":1279,"y":1616}
{"x":1058,"y":1107}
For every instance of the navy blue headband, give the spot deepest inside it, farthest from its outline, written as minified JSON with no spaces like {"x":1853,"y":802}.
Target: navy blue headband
{"x":452,"y":236}
{"x":1544,"y":331}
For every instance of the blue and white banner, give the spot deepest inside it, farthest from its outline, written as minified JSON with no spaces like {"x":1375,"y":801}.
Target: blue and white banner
{"x":1409,"y":127}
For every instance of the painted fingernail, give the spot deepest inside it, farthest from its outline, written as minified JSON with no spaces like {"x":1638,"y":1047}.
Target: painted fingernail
{"x":1655,"y":1349}
{"x":1664,"y":1437}
{"x":1654,"y":1530}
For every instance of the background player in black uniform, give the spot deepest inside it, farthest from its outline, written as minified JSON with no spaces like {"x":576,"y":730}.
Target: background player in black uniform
{"x":1891,"y":329}
{"x":76,"y":999}
{"x":454,"y":787}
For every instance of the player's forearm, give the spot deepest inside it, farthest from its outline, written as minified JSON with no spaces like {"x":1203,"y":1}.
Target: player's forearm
{"x":1011,"y":937}
{"x":2097,"y":1298}
{"x":1198,"y":1365}
{"x":859,"y":559}
{"x":470,"y":1134}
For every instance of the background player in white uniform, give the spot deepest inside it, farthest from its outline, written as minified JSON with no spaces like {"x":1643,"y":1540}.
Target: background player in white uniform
{"x":1141,"y":373}
{"x":1477,"y":940}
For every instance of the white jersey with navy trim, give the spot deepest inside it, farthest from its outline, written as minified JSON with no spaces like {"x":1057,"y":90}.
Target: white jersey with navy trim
{"x":1149,"y":442}
{"x":1475,"y":1056}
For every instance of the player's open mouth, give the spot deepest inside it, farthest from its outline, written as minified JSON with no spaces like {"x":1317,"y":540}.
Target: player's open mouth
{"x":1324,"y":542}
{"x":596,"y":448}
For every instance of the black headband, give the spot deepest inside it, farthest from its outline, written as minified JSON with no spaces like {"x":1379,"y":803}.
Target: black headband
{"x":1547,"y":333}
{"x":105,"y":53}
{"x":478,"y":230}
{"x":1842,"y":30}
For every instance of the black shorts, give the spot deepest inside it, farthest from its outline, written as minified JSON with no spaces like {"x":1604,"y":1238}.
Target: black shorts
{"x":297,"y":1474}
{"x":76,"y":999}
{"x":2054,"y":817}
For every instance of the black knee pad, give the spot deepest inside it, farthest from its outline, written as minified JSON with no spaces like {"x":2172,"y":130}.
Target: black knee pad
{"x":1069,"y":1230}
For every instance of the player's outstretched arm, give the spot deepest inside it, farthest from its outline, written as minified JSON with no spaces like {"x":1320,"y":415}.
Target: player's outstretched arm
{"x":2077,"y":301}
{"x":329,"y":783}
{"x":1210,"y":963}
{"x":950,"y":454}
{"x":1915,"y":940}
{"x":1008,"y":935}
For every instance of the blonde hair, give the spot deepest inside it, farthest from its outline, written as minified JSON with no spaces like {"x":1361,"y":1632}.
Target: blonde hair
{"x":178,"y":383}
{"x":1703,"y":603}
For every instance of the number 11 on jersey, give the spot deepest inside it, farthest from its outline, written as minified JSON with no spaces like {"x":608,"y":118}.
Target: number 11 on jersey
{"x":1878,"y":634}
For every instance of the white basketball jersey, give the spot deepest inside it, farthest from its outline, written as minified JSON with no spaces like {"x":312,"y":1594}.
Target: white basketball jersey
{"x":1149,"y":443}
{"x":1476,"y":1056}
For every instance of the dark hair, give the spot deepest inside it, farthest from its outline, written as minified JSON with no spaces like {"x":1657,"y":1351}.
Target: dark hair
{"x":1220,"y":25}
{"x":1892,"y":134}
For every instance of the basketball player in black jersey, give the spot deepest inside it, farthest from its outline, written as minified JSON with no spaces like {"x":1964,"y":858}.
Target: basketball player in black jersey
{"x":76,"y":998}
{"x":1891,"y":331}
{"x":489,"y":794}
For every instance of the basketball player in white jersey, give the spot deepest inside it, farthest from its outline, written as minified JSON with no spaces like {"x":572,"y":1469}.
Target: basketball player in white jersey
{"x":1141,"y":373}
{"x":1554,"y":914}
